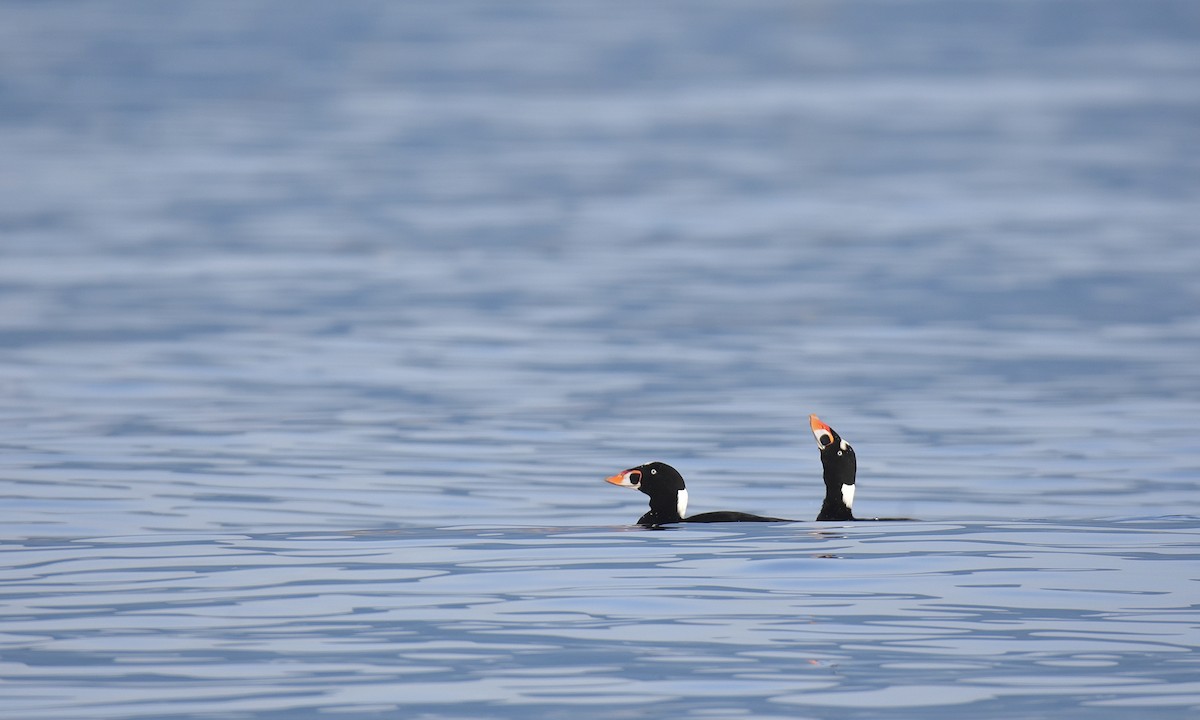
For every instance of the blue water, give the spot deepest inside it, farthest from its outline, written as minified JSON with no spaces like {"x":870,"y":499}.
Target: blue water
{"x":322,"y":323}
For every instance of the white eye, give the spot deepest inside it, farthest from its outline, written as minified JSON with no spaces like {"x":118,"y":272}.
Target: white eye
{"x":839,"y":453}
{"x":653,"y":471}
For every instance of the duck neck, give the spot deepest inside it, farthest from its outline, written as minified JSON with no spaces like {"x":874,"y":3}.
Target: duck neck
{"x":666,"y":509}
{"x":838,"y":500}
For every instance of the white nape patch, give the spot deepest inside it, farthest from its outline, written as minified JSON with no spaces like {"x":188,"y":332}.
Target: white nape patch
{"x":848,"y":495}
{"x":682,"y":500}
{"x":845,"y":446}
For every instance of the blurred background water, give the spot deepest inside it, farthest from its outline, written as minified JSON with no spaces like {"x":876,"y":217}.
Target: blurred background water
{"x":321,"y":323}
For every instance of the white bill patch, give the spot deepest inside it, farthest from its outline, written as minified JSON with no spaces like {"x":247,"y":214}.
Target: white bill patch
{"x":823,"y":439}
{"x":848,"y":495}
{"x":628,"y":478}
{"x":682,"y":502}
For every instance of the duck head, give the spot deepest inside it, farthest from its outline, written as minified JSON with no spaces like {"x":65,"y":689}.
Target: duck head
{"x":664,"y":485}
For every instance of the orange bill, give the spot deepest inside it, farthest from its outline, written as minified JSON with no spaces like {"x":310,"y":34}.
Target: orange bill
{"x":822,"y":432}
{"x":623,"y":478}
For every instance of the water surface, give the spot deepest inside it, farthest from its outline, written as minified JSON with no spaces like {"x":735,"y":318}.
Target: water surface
{"x":321,"y":325}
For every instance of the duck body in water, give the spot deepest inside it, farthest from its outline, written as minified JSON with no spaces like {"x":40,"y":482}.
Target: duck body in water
{"x":669,"y":497}
{"x":839,"y":467}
